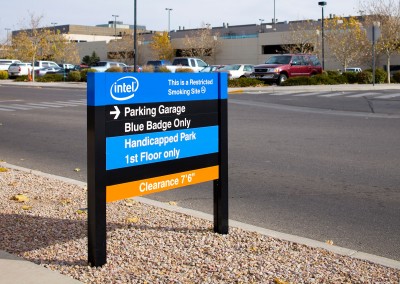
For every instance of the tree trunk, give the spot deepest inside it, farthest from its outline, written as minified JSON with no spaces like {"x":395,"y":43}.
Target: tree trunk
{"x":388,"y":68}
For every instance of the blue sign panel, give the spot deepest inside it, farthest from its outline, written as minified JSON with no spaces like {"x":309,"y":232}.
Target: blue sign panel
{"x":133,"y":88}
{"x":141,"y":149}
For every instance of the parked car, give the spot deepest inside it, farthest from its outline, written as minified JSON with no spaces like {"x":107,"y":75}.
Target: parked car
{"x":60,"y":71}
{"x":195,"y":64}
{"x":67,"y":66}
{"x":44,"y":70}
{"x":211,"y":68}
{"x":19,"y":69}
{"x":45,"y":64}
{"x":132,"y":68}
{"x":280,"y":67}
{"x":353,"y":69}
{"x":5,"y":63}
{"x":102,"y":66}
{"x":236,"y":71}
{"x":158,"y":63}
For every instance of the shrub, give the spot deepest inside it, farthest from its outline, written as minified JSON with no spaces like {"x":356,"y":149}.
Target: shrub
{"x":351,"y":77}
{"x":183,"y":70}
{"x":297,"y":81}
{"x":3,"y":75}
{"x":163,"y":69}
{"x":84,"y":73}
{"x":51,"y":78}
{"x":115,"y":69}
{"x":364,"y":77}
{"x":74,"y":76}
{"x":244,"y":82}
{"x":396,"y":77}
{"x":333,"y":73}
{"x":380,"y":76}
{"x":147,"y":68}
{"x":23,"y":78}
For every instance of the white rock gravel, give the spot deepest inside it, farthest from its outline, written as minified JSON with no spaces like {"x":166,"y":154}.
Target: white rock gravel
{"x":151,"y":245}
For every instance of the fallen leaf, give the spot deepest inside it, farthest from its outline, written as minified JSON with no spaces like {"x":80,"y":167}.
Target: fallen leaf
{"x":279,"y":281}
{"x":77,"y":169}
{"x":253,"y":248}
{"x":132,"y":219}
{"x":26,"y":207}
{"x":81,"y":211}
{"x":173,"y":203}
{"x":329,"y":242}
{"x":65,"y":201}
{"x":130,"y":202}
{"x":2,"y":170}
{"x":20,"y":198}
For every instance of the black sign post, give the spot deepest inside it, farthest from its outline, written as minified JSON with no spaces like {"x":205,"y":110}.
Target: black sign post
{"x":221,"y":184}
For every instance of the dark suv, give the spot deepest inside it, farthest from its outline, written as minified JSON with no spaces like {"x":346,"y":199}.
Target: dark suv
{"x":280,"y":67}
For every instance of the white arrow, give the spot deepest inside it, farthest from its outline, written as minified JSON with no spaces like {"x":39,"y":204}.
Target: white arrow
{"x":116,"y":112}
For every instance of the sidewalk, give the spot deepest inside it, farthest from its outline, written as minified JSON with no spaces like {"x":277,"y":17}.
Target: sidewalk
{"x":16,"y":270}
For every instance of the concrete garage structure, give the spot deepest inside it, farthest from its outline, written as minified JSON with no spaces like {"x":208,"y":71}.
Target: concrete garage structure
{"x":249,"y":44}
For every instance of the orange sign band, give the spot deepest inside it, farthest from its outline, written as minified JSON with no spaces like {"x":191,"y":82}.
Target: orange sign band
{"x":161,"y":183}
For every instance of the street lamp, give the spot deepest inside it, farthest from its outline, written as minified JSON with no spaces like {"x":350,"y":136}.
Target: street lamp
{"x":115,"y":26}
{"x":274,"y":18}
{"x":169,"y":19}
{"x":322,"y":4}
{"x":54,"y":27}
{"x":261,"y":21}
{"x":376,"y":32}
{"x":8,"y":33}
{"x":134,"y":37}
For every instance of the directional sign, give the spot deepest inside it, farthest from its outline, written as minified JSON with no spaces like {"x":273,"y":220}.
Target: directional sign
{"x":153,"y":132}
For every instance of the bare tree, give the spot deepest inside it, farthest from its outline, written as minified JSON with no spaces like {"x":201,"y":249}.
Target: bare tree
{"x":123,"y":49}
{"x":302,"y":38}
{"x":387,"y":13}
{"x":347,"y":40}
{"x":202,"y":43}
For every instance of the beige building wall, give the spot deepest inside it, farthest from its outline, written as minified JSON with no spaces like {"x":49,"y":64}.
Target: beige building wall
{"x":87,"y":48}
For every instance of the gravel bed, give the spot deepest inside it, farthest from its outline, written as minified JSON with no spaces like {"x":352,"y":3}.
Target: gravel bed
{"x":146,"y":244}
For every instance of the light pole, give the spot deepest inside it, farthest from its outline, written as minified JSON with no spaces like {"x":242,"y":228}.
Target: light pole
{"x":115,"y":26}
{"x":375,"y":35}
{"x":169,"y":19}
{"x":8,"y":33}
{"x":322,"y":4}
{"x":261,"y":21}
{"x":274,"y":18}
{"x":134,"y":38}
{"x":54,"y":27}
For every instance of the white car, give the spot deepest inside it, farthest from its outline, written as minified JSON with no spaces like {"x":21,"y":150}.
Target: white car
{"x":102,"y":66}
{"x":45,"y":64}
{"x":236,"y":71}
{"x":5,"y":63}
{"x":353,"y":69}
{"x":19,"y":69}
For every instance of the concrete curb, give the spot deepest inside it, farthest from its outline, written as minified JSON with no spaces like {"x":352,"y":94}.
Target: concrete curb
{"x":274,"y":234}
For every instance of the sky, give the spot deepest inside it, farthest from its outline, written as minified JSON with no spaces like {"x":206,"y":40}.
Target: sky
{"x":153,"y":14}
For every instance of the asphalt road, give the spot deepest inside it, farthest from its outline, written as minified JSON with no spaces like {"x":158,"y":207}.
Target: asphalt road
{"x":318,"y":166}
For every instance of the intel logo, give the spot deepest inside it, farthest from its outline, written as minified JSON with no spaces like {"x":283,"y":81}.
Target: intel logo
{"x":124,"y":88}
